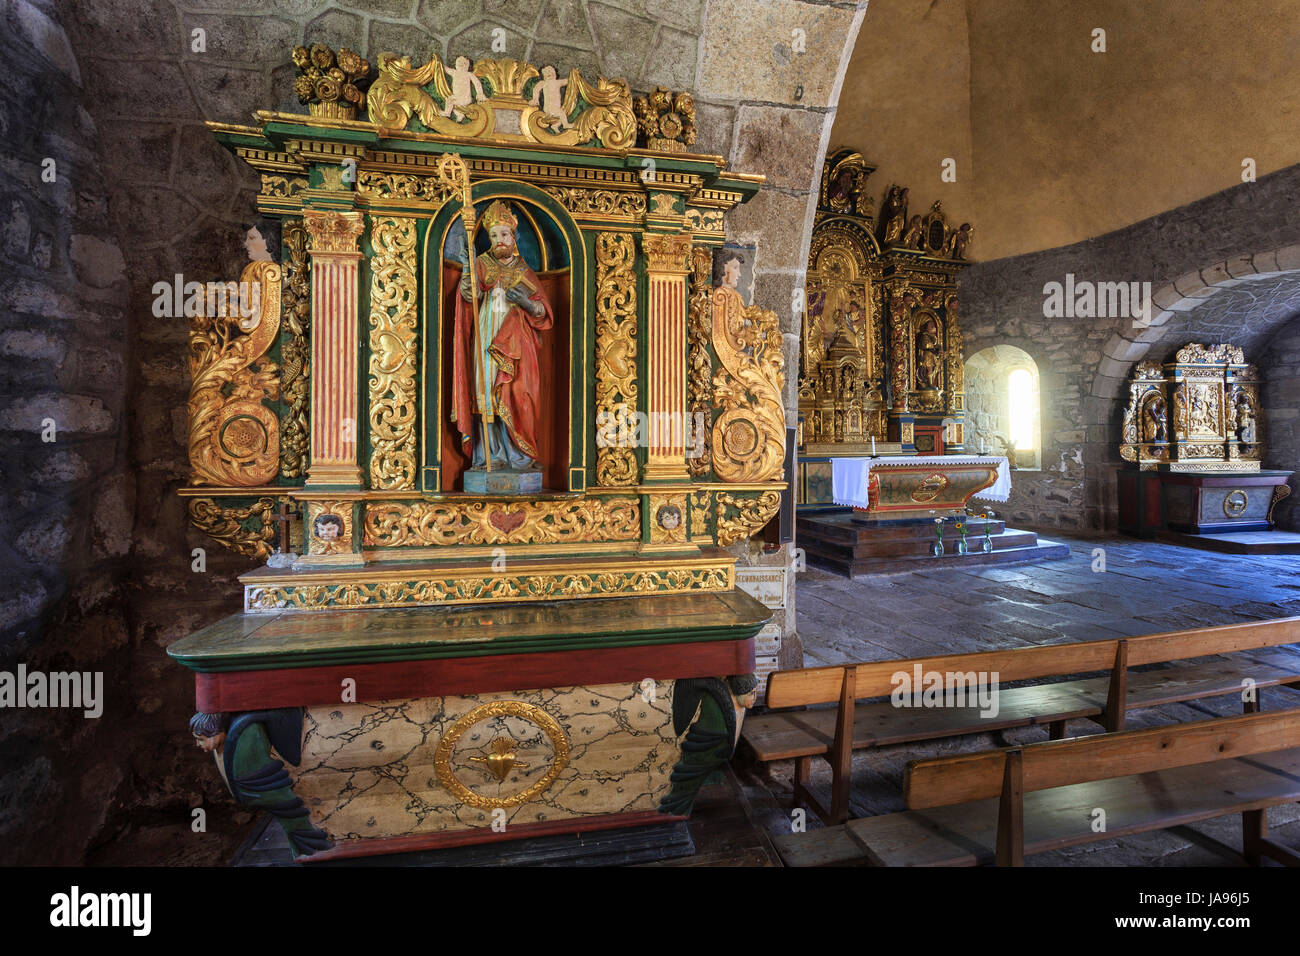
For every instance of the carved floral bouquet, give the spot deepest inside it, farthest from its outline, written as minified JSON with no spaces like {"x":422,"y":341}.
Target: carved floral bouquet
{"x":330,"y":84}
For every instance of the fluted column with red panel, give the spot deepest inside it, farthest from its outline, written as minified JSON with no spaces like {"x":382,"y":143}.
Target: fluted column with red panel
{"x":334,"y":347}
{"x":667,"y":265}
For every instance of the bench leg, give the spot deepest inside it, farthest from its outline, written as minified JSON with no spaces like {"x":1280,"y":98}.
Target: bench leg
{"x":1253,"y":706}
{"x":802,"y":776}
{"x":1056,"y":730}
{"x":1254,"y":831}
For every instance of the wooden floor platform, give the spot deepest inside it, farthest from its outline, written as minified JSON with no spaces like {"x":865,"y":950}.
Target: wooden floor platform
{"x":839,"y":542}
{"x":1238,"y":542}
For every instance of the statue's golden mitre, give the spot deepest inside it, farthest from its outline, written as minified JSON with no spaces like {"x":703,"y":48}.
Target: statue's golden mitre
{"x":498,"y":213}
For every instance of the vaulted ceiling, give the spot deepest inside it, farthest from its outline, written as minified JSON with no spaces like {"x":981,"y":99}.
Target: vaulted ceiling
{"x":1054,"y":143}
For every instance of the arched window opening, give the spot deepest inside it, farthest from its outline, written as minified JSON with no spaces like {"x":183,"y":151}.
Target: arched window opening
{"x":1002,"y":405}
{"x":1020,"y":393}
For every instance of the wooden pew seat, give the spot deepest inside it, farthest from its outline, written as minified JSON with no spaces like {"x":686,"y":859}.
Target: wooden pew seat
{"x":781,"y":736}
{"x":966,"y":834}
{"x":1000,"y":806}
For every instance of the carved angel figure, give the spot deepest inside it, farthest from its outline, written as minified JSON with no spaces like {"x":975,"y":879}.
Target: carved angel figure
{"x":465,"y":89}
{"x":550,"y":91}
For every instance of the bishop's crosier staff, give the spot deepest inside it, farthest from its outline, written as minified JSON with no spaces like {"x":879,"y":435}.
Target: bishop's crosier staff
{"x":454,"y":170}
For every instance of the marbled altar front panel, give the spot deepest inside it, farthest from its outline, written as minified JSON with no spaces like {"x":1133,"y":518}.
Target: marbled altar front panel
{"x":370,"y":771}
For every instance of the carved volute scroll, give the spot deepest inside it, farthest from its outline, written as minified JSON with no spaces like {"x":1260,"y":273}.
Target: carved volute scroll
{"x":749,"y":431}
{"x":234,"y":436}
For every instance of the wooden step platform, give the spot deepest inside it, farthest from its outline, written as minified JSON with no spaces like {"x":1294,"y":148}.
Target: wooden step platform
{"x":841,"y":543}
{"x":1237,"y":542}
{"x":268,"y":846}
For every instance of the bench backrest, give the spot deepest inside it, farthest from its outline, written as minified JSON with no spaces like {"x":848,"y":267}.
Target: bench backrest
{"x":943,"y":781}
{"x":821,"y":685}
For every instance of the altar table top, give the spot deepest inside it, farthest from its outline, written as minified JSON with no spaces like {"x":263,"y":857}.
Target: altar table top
{"x":315,"y":638}
{"x":849,"y":476}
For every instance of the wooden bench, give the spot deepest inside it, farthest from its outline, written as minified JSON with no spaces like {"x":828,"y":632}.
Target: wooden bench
{"x":835,"y":733}
{"x":1001,"y":805}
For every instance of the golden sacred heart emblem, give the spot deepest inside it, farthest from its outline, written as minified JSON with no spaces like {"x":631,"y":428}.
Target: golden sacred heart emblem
{"x":507,"y":521}
{"x":502,"y":759}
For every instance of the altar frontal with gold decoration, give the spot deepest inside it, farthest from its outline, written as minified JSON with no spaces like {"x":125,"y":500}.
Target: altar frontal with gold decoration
{"x":489,"y":381}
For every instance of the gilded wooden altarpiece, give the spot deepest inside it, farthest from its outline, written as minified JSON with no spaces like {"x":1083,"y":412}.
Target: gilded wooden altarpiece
{"x":367,"y":206}
{"x":1197,"y":413}
{"x":881,"y":346}
{"x":322,"y":444}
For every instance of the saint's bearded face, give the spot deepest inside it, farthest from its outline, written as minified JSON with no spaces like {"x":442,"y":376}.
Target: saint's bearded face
{"x":503,"y":241}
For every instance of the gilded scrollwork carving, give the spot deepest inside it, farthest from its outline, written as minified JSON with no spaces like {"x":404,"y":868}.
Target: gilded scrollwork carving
{"x":295,"y":353}
{"x":749,"y":431}
{"x":373,"y":184}
{"x":234,"y":436}
{"x":489,"y":587}
{"x":616,"y":385}
{"x":599,"y":202}
{"x":699,"y":375}
{"x":249,"y":531}
{"x":505,"y":100}
{"x":739,"y":516}
{"x":393,"y":525}
{"x":282,"y":187}
{"x":393,"y":310}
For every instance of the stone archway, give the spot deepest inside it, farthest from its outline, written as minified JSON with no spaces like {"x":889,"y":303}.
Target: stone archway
{"x":1180,"y":307}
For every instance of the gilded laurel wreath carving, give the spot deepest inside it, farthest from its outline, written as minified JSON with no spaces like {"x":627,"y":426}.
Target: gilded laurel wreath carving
{"x":749,"y":431}
{"x":528,"y":522}
{"x":616,"y":387}
{"x":228,"y":525}
{"x":531,"y":713}
{"x":392,"y":353}
{"x":234,"y":437}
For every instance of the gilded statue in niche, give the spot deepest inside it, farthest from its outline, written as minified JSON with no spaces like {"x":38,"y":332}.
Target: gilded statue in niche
{"x":929,"y":361}
{"x":496,"y":377}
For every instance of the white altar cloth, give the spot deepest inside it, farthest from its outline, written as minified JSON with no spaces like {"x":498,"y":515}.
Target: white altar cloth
{"x":849,"y":476}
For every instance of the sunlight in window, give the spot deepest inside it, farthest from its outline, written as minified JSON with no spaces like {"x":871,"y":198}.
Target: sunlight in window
{"x":1020,"y":388}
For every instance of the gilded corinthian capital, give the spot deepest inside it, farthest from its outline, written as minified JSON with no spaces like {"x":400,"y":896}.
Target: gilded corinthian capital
{"x":333,"y":231}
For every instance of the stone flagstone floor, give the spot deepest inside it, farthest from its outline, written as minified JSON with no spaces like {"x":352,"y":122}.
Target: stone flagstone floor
{"x":1145,"y":588}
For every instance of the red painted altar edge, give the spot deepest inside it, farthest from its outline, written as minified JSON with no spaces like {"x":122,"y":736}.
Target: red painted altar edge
{"x":304,"y":686}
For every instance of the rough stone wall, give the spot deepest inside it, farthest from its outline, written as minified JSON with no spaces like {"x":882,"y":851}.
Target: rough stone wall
{"x":101,"y":542}
{"x":1083,"y":363}
{"x":65,"y":492}
{"x":1279,"y":364}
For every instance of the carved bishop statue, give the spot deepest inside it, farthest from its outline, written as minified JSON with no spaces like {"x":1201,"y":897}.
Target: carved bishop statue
{"x":496,"y":379}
